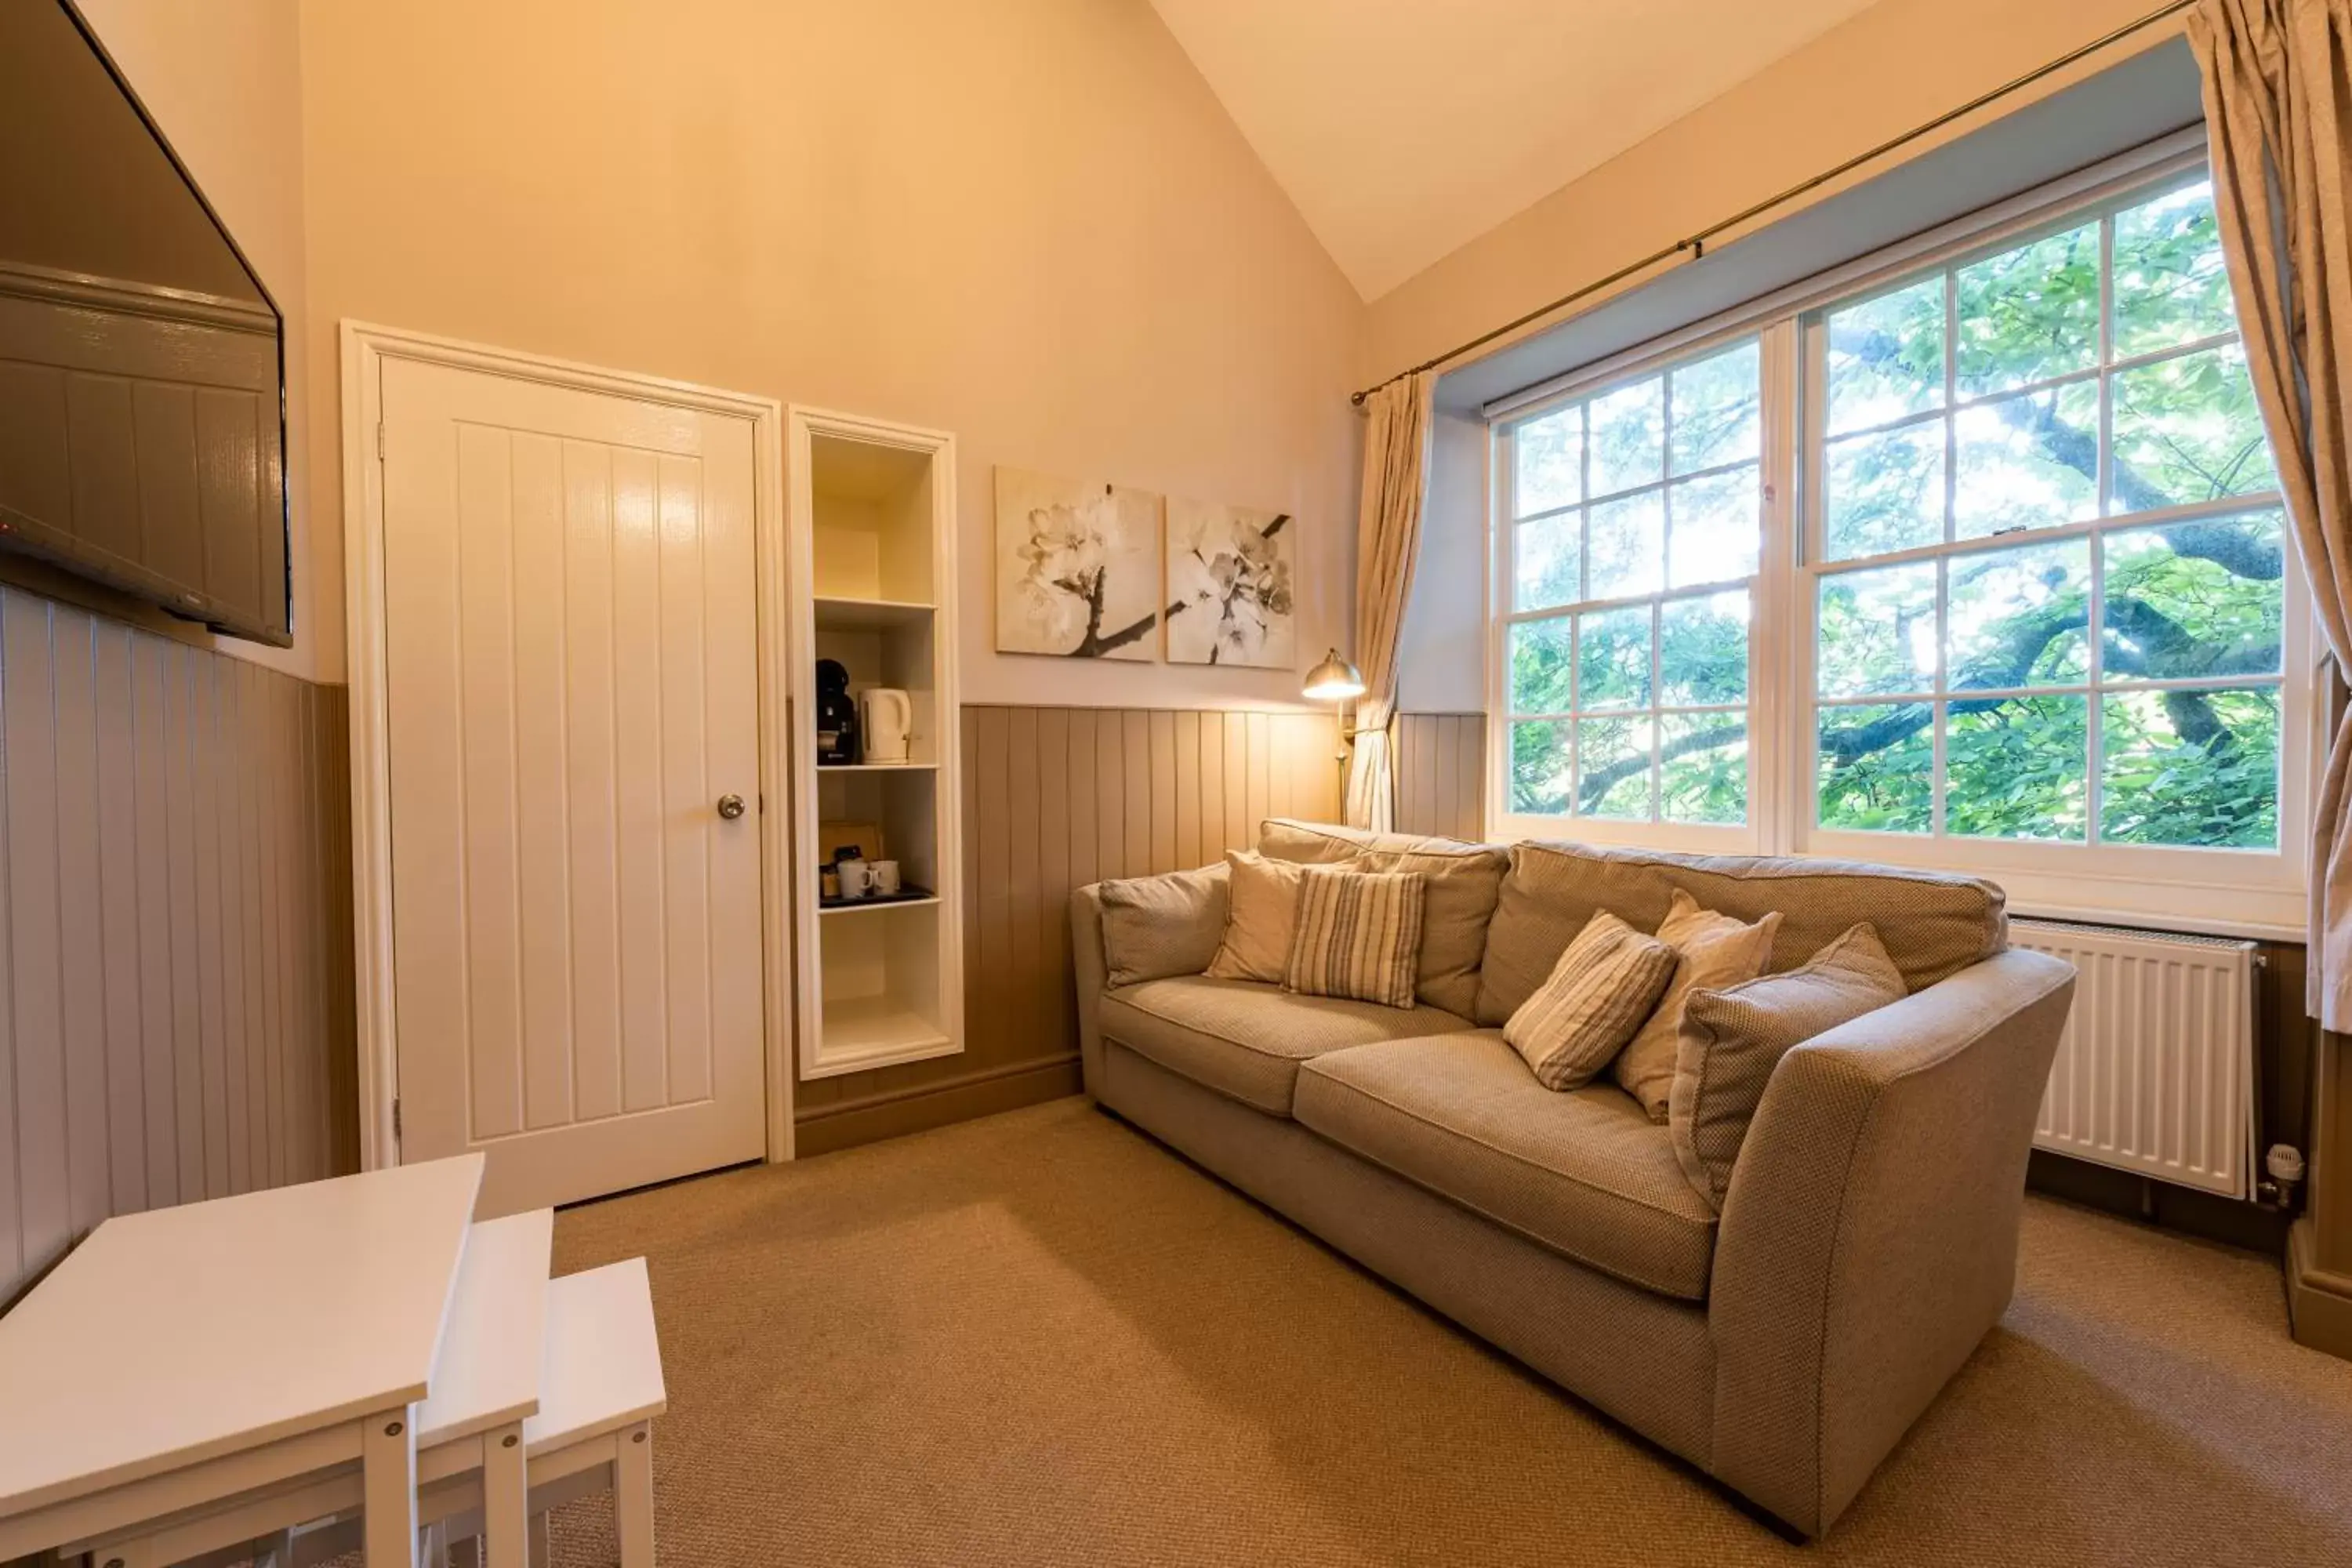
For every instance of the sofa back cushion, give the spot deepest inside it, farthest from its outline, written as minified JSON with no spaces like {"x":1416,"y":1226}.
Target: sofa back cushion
{"x":1934,"y":924}
{"x":1320,"y":843}
{"x":1463,"y":880}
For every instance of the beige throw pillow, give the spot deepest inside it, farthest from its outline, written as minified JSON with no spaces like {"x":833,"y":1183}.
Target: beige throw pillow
{"x":1261,"y":914}
{"x":1153,"y":927}
{"x":1717,"y":951}
{"x":1733,"y":1038}
{"x":1359,"y":934}
{"x":1604,"y":986}
{"x":1463,"y":881}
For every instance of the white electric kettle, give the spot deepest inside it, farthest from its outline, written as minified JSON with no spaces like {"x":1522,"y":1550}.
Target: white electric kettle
{"x":887,"y":717}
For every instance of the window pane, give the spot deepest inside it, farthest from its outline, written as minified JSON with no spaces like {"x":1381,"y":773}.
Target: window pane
{"x":2171,"y":286}
{"x":1614,"y":768}
{"x":1877,"y":631}
{"x":2030,"y":462}
{"x":2017,"y":768}
{"x":1717,"y":525}
{"x":1540,"y":768}
{"x":2021,"y":617}
{"x":1544,"y":556}
{"x":1886,"y":357}
{"x":1886,"y":491}
{"x":1613,"y":658}
{"x":2196,"y":599}
{"x":2030,"y":314}
{"x":1714,"y":404}
{"x":1539,"y":667}
{"x":1629,"y":546}
{"x":1703,"y":767}
{"x":1550,"y":454}
{"x":1877,"y":768}
{"x":2187,"y":430}
{"x":1629,"y":435}
{"x":2191,"y":767}
{"x":1702,"y":650}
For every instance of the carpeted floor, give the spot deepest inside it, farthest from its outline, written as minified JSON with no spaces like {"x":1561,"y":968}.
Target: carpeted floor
{"x":1042,"y":1339}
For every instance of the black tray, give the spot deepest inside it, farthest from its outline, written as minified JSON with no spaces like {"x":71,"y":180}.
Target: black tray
{"x":905,"y":895}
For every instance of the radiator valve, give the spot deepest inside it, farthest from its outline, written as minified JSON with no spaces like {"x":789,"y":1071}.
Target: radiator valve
{"x":2285,"y":1163}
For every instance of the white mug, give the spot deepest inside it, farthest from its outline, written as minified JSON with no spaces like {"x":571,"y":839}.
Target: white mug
{"x":886,"y":878}
{"x":856,"y":877}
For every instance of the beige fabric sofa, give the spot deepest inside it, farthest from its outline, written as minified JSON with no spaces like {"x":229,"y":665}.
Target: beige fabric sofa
{"x":1868,"y":1238}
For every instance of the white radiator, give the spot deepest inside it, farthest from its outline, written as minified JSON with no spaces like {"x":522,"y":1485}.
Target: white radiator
{"x":2155,"y":1071}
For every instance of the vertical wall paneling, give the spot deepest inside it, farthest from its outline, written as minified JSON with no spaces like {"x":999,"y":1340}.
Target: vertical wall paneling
{"x":174,"y":927}
{"x":1441,"y":773}
{"x":1055,"y":798}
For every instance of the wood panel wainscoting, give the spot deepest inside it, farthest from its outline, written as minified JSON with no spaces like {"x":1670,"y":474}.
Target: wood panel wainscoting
{"x":1055,"y":798}
{"x":175,"y":939}
{"x":1441,"y":761}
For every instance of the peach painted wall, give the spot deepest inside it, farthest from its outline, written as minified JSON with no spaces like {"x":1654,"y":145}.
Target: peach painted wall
{"x":223,"y":79}
{"x":1893,"y":67}
{"x":1027,"y":221}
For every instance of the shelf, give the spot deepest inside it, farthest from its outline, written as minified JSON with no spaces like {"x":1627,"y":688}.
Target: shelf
{"x":855,"y":1032}
{"x":859,"y":906}
{"x":870,"y":614}
{"x":825,"y":768}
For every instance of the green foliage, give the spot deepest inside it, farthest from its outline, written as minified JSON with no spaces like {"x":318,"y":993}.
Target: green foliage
{"x":2199,"y":773}
{"x":2182,"y":602}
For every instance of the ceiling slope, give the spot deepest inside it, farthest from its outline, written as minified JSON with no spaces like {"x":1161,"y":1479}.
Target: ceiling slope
{"x":1402,"y":131}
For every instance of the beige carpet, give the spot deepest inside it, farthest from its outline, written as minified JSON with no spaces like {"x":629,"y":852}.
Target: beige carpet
{"x":1043,"y":1339}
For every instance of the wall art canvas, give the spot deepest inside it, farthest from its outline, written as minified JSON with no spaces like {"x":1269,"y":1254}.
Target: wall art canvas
{"x":1077,"y":567}
{"x":1230,"y":585}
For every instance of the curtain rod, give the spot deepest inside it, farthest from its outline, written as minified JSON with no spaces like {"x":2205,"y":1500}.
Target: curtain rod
{"x":1697,"y":243}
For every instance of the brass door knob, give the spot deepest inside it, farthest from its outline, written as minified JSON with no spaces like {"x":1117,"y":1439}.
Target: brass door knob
{"x":730,"y":806}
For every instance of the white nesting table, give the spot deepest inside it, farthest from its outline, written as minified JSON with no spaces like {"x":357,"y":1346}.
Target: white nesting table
{"x":186,"y":1356}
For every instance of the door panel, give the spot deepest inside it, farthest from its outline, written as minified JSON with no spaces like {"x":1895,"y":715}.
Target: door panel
{"x":570,"y":657}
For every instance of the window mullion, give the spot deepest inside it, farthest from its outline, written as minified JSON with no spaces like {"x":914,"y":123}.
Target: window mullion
{"x":2094,"y":704}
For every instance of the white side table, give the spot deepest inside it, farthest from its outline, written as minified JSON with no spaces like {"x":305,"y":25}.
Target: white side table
{"x":186,"y":1355}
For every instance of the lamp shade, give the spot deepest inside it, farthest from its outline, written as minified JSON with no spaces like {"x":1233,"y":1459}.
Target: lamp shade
{"x":1334,"y":679}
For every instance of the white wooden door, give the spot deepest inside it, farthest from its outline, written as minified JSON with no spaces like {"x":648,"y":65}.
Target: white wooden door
{"x":569,"y":656}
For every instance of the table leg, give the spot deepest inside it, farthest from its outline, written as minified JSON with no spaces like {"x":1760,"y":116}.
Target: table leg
{"x":388,"y":1464}
{"x":633,"y":1496}
{"x":506,"y":1505}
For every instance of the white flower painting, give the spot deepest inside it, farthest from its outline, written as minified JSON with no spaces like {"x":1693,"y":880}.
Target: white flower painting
{"x":1077,"y":567}
{"x":1230,"y":585}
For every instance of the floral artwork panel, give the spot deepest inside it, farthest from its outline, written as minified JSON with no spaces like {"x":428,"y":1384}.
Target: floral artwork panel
{"x":1231,"y":585}
{"x":1077,"y":567}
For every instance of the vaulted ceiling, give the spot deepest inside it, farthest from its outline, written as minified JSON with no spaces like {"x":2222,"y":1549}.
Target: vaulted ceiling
{"x":1403,"y":129}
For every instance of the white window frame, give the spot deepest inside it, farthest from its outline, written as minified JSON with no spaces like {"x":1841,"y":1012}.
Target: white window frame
{"x":1776,"y":368}
{"x":2223,"y":891}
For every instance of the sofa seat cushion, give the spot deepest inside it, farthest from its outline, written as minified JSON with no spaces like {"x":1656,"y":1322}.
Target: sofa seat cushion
{"x":1247,"y":1040}
{"x":1586,"y":1174}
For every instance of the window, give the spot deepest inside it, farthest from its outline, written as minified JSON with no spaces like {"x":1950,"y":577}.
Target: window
{"x":1634,"y":540}
{"x":1975,"y":560}
{"x":2049,"y":599}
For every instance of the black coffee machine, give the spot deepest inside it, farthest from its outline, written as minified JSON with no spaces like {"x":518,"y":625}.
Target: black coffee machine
{"x":836,"y":716}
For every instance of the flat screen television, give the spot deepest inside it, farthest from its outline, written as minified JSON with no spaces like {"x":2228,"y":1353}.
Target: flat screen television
{"x":143,"y":428}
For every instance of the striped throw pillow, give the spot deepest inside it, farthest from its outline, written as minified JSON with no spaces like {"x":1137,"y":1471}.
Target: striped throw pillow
{"x":1601,"y":992}
{"x":1359,"y":935}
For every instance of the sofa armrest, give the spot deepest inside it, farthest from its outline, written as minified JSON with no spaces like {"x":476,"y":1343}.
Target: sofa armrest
{"x":1869,"y":1236}
{"x":1091,"y":970}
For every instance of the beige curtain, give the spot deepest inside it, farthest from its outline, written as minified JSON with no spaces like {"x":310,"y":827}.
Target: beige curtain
{"x":2281,"y":132}
{"x":1388,"y":543}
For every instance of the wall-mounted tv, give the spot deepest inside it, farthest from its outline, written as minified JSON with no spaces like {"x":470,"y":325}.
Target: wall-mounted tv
{"x":142,"y":390}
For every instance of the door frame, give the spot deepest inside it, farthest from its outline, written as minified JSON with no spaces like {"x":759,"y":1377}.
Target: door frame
{"x":364,"y":348}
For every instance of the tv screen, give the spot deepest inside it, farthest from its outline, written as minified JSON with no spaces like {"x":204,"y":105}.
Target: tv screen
{"x":142,"y":403}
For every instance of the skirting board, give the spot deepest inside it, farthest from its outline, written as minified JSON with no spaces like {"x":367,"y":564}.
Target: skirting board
{"x":871,"y":1117}
{"x":2319,"y":1304}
